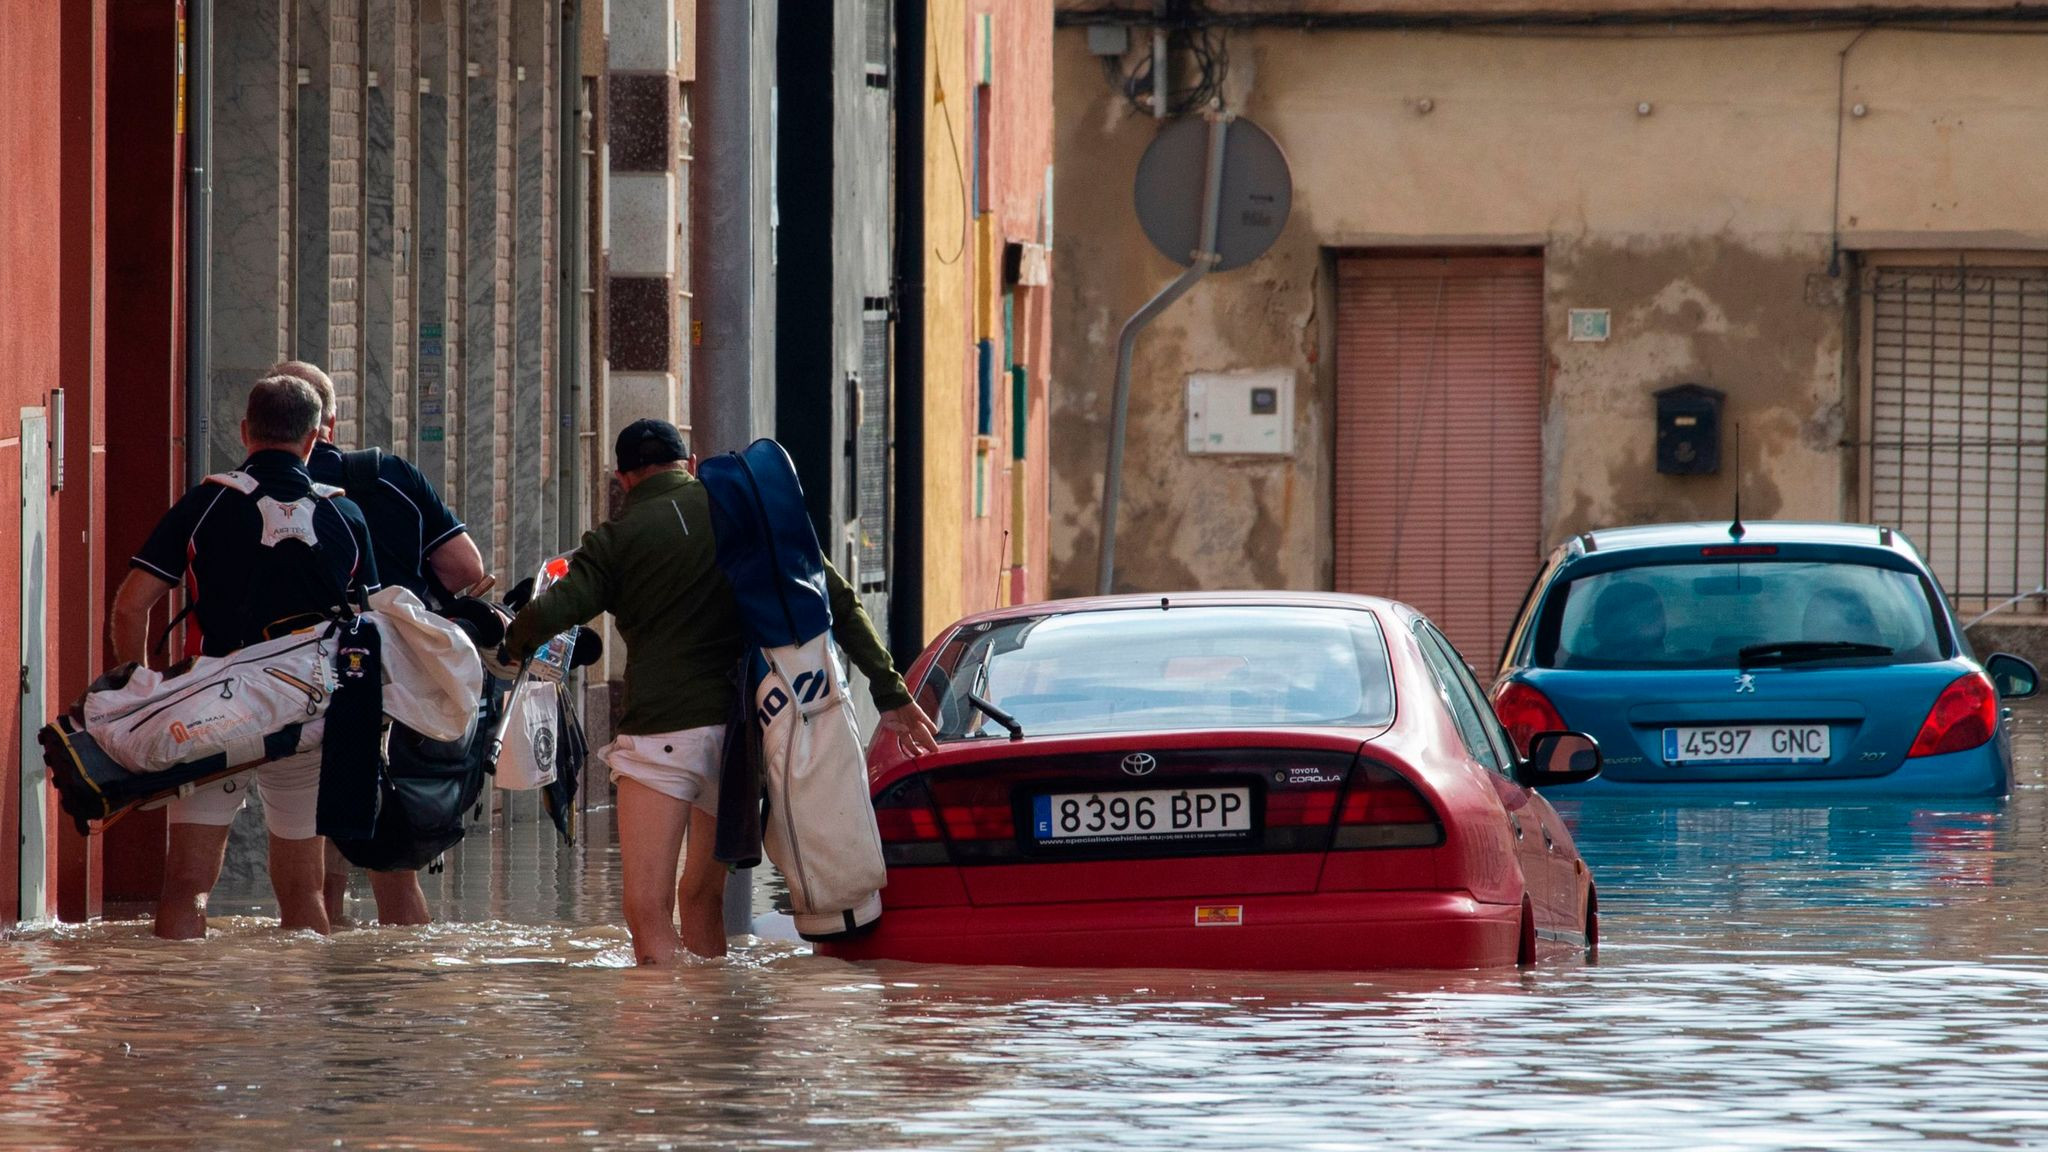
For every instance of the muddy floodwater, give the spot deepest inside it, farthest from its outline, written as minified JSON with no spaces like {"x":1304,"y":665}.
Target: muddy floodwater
{"x":1773,"y":977}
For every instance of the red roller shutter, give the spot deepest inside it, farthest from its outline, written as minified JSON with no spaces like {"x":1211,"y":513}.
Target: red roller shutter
{"x":1439,"y":455}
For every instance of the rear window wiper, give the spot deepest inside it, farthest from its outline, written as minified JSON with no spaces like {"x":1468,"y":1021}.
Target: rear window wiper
{"x":1800,"y":651}
{"x":998,"y":715}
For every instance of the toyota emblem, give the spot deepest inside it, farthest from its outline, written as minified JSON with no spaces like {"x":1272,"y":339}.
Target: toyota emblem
{"x":1140,"y":764}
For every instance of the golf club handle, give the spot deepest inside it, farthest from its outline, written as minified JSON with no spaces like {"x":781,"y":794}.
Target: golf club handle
{"x":505,"y":717}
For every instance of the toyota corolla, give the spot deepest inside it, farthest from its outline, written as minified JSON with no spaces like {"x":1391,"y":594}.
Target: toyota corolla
{"x":1273,"y":781}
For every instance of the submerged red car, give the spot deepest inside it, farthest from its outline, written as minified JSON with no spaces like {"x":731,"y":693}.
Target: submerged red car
{"x":1250,"y":780}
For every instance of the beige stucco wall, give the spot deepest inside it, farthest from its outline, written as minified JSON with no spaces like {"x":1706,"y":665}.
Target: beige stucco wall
{"x":1704,"y":226}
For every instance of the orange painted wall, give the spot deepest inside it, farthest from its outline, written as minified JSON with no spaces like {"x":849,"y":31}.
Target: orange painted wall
{"x":967,"y":540}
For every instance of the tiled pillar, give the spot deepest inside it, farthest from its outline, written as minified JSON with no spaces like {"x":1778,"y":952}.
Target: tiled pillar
{"x":344,"y":247}
{"x":251,"y":209}
{"x":400,"y":88}
{"x":646,"y":318}
{"x":438,"y":225}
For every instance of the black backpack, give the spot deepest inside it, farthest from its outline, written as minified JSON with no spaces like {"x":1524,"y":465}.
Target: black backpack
{"x":424,"y":790}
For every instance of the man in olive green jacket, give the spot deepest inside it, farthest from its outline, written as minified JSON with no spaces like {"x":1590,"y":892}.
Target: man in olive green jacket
{"x":654,"y":568}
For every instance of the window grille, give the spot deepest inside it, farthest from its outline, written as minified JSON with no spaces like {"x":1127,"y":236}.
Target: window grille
{"x":872,"y":449}
{"x":1957,"y":449}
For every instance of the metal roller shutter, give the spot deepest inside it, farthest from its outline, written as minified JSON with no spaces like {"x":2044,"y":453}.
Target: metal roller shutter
{"x":1438,"y":470}
{"x":1956,"y":447}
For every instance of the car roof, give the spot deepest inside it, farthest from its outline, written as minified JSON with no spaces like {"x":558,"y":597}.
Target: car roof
{"x":1708,"y":532}
{"x":1171,"y":600}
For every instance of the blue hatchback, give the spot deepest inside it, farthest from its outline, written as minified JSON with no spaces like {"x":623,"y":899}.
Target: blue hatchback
{"x":1777,"y":659}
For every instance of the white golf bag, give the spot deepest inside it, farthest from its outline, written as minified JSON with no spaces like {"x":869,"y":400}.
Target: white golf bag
{"x":820,"y":826}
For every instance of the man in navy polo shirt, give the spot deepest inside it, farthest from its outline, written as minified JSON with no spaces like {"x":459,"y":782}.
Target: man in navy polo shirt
{"x":420,"y":546}
{"x":262,"y":551}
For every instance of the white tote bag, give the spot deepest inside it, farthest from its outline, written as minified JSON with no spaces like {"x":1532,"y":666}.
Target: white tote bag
{"x":527,"y":761}
{"x":820,"y":830}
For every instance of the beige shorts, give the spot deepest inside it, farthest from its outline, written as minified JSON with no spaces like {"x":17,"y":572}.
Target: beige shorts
{"x":291,"y":797}
{"x":681,"y":765}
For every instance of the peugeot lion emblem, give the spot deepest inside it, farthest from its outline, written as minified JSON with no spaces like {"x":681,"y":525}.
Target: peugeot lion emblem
{"x":1744,"y":682}
{"x":1140,"y":764}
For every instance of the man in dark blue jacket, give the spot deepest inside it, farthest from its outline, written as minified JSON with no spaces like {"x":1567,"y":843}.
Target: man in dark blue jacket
{"x":420,"y":546}
{"x":262,"y":551}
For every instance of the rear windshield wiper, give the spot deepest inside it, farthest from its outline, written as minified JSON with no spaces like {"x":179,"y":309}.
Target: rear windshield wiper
{"x":1800,"y":651}
{"x":998,"y":715}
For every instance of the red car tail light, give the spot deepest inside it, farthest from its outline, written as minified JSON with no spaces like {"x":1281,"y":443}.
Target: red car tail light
{"x":978,"y":821}
{"x":908,"y":825}
{"x":1524,"y":712}
{"x":1964,"y":716}
{"x":1381,"y":809}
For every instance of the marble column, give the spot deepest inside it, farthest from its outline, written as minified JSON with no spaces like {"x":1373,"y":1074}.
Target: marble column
{"x":250,"y":260}
{"x":532,"y":377}
{"x":487,"y":304}
{"x":379,"y":233}
{"x":311,"y":222}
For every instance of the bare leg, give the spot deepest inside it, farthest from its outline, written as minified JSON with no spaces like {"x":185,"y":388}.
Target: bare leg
{"x":400,"y":900}
{"x":191,"y":866}
{"x":650,"y":841}
{"x":334,"y":889}
{"x":298,"y":871}
{"x":702,"y":891}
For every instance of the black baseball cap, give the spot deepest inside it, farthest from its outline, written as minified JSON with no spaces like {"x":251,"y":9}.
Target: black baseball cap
{"x":647,"y":442}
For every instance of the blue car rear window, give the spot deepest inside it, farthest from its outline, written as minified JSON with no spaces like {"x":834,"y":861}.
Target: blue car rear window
{"x":1703,"y":615}
{"x":1149,"y":670}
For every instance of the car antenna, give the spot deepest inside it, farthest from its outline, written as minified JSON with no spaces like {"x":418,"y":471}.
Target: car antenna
{"x":1735,"y":528}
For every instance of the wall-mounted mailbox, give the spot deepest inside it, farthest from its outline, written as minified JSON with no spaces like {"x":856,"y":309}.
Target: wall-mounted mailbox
{"x":1689,"y":430}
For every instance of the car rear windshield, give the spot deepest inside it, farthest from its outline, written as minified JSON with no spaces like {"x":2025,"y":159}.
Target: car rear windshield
{"x":1704,"y":615}
{"x":1193,"y":667}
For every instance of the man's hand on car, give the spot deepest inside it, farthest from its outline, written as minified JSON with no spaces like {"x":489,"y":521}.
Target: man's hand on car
{"x":913,"y":730}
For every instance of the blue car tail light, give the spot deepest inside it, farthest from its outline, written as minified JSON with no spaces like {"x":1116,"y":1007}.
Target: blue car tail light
{"x":1524,"y":711}
{"x":1964,"y":716}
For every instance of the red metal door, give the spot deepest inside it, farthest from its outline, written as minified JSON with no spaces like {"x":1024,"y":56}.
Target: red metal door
{"x":1438,"y":471}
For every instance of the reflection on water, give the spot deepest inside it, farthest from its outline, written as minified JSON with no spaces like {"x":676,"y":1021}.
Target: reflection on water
{"x":1866,"y":976}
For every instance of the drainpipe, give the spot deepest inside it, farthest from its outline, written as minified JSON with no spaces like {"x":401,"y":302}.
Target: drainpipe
{"x":1203,"y":258}
{"x":907,"y":510}
{"x":198,"y":240}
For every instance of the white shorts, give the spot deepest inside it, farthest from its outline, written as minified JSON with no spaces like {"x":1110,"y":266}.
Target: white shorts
{"x":291,"y":797}
{"x":681,"y":765}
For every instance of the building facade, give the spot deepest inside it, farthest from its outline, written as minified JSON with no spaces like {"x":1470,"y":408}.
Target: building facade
{"x":985,"y":368}
{"x":1511,"y":229}
{"x":507,"y":228}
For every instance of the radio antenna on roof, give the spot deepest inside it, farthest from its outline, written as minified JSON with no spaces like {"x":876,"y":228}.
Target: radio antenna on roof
{"x":1735,"y":528}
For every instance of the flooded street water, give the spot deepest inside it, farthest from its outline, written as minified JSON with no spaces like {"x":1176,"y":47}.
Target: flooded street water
{"x":1867,"y":976}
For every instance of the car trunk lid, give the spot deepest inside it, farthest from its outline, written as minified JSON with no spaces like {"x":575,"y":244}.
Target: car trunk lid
{"x":1155,"y":816}
{"x":1782,"y":723}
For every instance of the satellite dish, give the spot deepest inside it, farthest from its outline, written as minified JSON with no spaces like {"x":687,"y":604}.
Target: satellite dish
{"x":1257,"y":192}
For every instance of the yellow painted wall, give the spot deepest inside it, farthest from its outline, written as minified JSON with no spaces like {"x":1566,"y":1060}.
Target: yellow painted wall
{"x":948,"y":366}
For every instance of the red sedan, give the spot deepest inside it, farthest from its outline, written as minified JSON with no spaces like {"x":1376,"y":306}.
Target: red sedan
{"x":1250,"y":780}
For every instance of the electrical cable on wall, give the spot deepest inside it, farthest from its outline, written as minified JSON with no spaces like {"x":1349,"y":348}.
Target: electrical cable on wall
{"x":1204,"y":56}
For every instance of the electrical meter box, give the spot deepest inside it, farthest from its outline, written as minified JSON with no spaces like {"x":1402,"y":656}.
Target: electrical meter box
{"x":1241,"y":413}
{"x":1689,"y":430}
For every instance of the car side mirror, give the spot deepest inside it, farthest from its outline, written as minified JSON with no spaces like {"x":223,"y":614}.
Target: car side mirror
{"x":1559,"y":758}
{"x":2016,"y":679}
